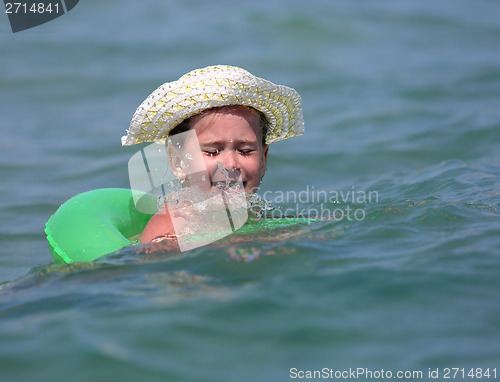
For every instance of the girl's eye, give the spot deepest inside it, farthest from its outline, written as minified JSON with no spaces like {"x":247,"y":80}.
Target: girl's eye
{"x":212,"y":152}
{"x":246,"y":152}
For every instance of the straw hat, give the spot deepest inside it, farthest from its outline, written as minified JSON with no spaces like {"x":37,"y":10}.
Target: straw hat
{"x":215,"y":86}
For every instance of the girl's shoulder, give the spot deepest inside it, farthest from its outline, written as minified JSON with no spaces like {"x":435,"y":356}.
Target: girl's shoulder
{"x":159,"y":225}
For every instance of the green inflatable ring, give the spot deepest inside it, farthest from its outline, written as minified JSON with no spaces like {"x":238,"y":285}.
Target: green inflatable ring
{"x":99,"y":222}
{"x":96,"y":223}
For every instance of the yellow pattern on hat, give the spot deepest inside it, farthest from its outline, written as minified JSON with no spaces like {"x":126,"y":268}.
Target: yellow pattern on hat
{"x":215,"y":86}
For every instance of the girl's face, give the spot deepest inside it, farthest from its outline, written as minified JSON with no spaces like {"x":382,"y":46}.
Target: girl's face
{"x":231,"y":136}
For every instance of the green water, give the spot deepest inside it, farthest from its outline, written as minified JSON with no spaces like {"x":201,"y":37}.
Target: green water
{"x":400,"y":98}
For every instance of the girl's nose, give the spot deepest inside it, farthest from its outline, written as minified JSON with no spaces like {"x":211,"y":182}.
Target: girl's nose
{"x":230,"y":160}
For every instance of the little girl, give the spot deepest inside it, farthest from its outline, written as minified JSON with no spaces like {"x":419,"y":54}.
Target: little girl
{"x":223,"y":119}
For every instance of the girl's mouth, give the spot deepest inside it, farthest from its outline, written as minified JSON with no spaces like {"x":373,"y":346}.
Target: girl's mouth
{"x":229,"y":184}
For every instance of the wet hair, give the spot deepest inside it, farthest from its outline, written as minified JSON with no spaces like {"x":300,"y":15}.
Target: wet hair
{"x":186,"y":124}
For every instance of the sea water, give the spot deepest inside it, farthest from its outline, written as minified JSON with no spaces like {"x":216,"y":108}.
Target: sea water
{"x":400,"y":99}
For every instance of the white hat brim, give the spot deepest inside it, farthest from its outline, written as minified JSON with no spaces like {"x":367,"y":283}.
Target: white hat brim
{"x":216,"y":86}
